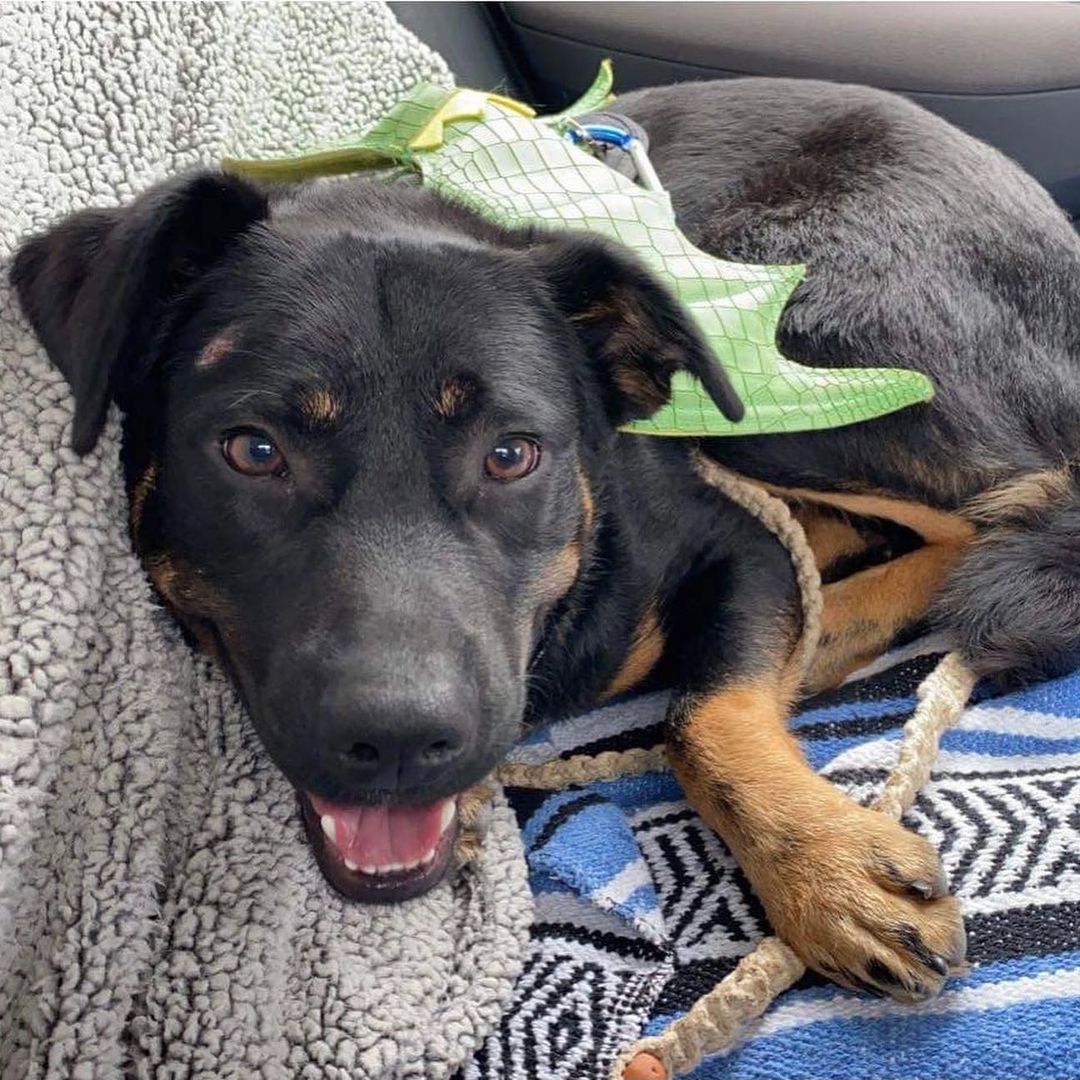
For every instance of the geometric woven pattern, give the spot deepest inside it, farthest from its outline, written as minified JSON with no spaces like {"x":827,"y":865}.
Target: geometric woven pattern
{"x":641,"y":910}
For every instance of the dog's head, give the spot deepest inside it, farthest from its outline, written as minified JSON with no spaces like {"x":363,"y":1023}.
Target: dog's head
{"x":364,"y":434}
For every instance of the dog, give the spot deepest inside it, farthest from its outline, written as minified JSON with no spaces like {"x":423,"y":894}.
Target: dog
{"x":371,"y":443}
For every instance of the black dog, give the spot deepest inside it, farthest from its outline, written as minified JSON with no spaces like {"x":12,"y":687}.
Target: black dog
{"x":371,"y":445}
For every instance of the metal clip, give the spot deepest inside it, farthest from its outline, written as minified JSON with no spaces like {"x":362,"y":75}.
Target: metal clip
{"x":600,"y":136}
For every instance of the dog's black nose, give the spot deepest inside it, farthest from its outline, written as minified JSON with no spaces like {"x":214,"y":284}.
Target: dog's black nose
{"x":386,"y":741}
{"x":400,"y":751}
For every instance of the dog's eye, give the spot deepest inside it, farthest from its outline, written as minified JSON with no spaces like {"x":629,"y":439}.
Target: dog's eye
{"x":512,"y":457}
{"x":253,"y":453}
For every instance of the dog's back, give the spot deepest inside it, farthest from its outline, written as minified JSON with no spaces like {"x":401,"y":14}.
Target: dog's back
{"x":925,"y":249}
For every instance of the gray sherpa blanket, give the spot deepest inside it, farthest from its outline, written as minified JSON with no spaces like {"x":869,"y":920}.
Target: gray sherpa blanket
{"x":160,"y":911}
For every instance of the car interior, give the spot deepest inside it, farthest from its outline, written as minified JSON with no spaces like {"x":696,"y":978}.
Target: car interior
{"x":329,"y":749}
{"x":1010,"y":75}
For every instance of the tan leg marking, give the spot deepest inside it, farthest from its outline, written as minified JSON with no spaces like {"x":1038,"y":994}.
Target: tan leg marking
{"x":934,"y":526}
{"x":863,"y":613}
{"x":858,"y":897}
{"x":829,"y":535}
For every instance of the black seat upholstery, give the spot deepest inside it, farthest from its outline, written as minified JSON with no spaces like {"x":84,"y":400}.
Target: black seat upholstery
{"x":1008,"y":73}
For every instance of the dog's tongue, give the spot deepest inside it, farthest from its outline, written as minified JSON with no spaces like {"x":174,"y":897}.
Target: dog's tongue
{"x":383,"y":839}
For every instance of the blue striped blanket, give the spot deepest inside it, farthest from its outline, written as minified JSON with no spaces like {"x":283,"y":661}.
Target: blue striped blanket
{"x":640,"y":909}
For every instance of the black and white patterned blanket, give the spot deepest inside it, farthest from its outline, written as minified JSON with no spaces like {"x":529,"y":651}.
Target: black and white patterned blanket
{"x":641,"y":910}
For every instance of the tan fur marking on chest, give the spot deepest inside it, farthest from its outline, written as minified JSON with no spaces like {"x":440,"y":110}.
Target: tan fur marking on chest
{"x":646,"y":648}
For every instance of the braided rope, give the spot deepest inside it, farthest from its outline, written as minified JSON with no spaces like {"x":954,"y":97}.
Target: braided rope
{"x":942,"y":697}
{"x":716,"y":1019}
{"x":584,"y":768}
{"x":778,"y":519}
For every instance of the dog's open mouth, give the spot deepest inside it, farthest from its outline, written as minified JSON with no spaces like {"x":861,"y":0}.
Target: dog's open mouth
{"x":381,"y":854}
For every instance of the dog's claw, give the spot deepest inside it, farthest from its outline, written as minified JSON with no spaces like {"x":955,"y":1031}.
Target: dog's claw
{"x":940,"y":965}
{"x":883,"y":923}
{"x":924,"y":889}
{"x":863,"y":986}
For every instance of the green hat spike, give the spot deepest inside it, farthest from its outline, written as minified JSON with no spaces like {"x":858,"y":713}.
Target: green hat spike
{"x":495,"y":156}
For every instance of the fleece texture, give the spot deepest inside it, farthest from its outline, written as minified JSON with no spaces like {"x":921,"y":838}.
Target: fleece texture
{"x":160,"y":910}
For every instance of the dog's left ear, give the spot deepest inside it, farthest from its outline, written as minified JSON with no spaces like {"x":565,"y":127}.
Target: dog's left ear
{"x":636,"y":334}
{"x":97,"y":288}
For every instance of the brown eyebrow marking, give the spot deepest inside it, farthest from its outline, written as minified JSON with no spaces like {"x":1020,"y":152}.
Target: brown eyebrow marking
{"x":454,"y":394}
{"x":216,"y":349}
{"x":320,"y":408}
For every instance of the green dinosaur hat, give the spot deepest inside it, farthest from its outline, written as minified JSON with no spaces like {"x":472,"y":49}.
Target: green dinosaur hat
{"x":495,"y":156}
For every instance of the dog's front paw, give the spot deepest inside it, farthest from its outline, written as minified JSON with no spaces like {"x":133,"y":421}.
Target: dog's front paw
{"x":865,"y":902}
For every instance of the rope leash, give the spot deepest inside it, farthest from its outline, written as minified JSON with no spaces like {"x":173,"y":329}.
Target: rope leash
{"x":774,"y":514}
{"x":716,"y":1020}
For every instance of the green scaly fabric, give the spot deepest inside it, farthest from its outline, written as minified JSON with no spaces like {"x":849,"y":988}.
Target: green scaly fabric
{"x":494,"y":156}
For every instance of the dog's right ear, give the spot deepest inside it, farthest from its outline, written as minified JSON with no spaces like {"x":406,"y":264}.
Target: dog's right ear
{"x":635,"y":332}
{"x":97,"y":288}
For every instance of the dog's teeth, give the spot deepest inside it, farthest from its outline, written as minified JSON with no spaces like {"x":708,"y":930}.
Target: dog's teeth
{"x":329,"y":827}
{"x":447,"y":813}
